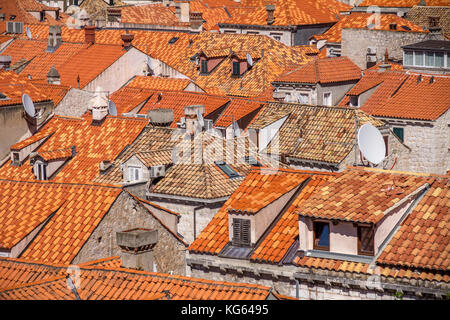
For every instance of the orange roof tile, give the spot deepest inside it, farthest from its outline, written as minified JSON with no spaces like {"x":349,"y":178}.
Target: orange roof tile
{"x":358,"y":20}
{"x":348,"y":196}
{"x":423,"y":240}
{"x":128,"y":98}
{"x":326,"y":70}
{"x":287,"y":12}
{"x":159,"y":83}
{"x":99,"y":283}
{"x":13,"y":86}
{"x":401,"y":3}
{"x":151,"y":14}
{"x":93,"y":144}
{"x":21,"y":10}
{"x":237,"y":109}
{"x":56,"y":154}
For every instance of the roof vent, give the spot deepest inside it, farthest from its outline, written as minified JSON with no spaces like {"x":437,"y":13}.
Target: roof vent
{"x":127,"y":38}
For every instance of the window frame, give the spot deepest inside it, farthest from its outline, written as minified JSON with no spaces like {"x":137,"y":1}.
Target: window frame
{"x":234,"y":64}
{"x":41,"y":171}
{"x":241,"y":227}
{"x":203,"y":66}
{"x":402,"y":138}
{"x":331,"y":98}
{"x":132,"y":173}
{"x":363,"y":252}
{"x":317,"y":246}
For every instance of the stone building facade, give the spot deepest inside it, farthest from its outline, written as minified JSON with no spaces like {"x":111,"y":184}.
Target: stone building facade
{"x":356,"y":44}
{"x":125,"y":214}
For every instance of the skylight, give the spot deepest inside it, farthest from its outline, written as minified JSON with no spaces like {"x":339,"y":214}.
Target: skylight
{"x":227,"y":169}
{"x":173,"y":40}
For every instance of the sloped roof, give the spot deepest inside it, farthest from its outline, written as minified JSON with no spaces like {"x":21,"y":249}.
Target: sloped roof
{"x":403,"y":95}
{"x":237,"y":109}
{"x":13,"y":86}
{"x":77,"y":211}
{"x":155,"y":158}
{"x":22,"y":8}
{"x":127,"y":98}
{"x":159,"y":83}
{"x":100,"y":283}
{"x":152,"y":14}
{"x":420,"y":16}
{"x":93,"y":145}
{"x":423,"y":240}
{"x":328,"y":70}
{"x":360,"y":196}
{"x":358,"y":20}
{"x":312,"y":133}
{"x":401,"y":3}
{"x":287,"y":12}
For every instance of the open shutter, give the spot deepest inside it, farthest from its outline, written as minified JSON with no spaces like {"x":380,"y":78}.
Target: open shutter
{"x":241,"y":232}
{"x":245,"y":232}
{"x":236,"y":231}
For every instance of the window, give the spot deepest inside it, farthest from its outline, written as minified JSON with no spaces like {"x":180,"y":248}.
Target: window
{"x":16,"y":158}
{"x":429,"y":59}
{"x":134,"y":173}
{"x":252,"y":161}
{"x":409,"y":58}
{"x":327,"y":99}
{"x":439,"y":59}
{"x":241,"y":232}
{"x":41,"y":173}
{"x":236,"y":68}
{"x":418,"y":58}
{"x":304,"y":98}
{"x":253,"y":32}
{"x":321,"y":235}
{"x":204,"y":66}
{"x":399,"y":132}
{"x":354,"y":101}
{"x":365,"y":240}
{"x":229,"y":171}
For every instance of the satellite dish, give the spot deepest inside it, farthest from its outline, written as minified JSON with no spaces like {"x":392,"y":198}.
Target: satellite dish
{"x":371,"y":143}
{"x":149,"y":63}
{"x":28,"y":32}
{"x":28,"y":105}
{"x":112,"y":108}
{"x":200,"y":118}
{"x":249,"y":59}
{"x":236,"y":129}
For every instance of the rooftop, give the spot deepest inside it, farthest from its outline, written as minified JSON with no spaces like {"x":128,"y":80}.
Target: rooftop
{"x":326,"y":70}
{"x":401,"y":3}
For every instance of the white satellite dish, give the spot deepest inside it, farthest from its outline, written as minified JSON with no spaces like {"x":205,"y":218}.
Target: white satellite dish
{"x":371,"y":143}
{"x":112,"y":108}
{"x":28,"y":105}
{"x":249,"y":59}
{"x":200,"y":119}
{"x":28,"y":32}
{"x":149,"y":63}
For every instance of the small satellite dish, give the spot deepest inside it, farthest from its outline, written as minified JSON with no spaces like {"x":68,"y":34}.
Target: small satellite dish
{"x":112,"y":108}
{"x":236,"y":129}
{"x":28,"y":105}
{"x":249,"y":59}
{"x":28,"y":32}
{"x":149,"y":63}
{"x":371,"y":143}
{"x":200,"y":118}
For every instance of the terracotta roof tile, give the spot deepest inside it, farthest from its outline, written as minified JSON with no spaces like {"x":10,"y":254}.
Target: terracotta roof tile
{"x":128,"y":98}
{"x":93,"y":144}
{"x":151,"y":14}
{"x":358,"y":20}
{"x":237,"y":109}
{"x":326,"y":70}
{"x":21,"y":10}
{"x":401,"y":3}
{"x":360,"y":189}
{"x":159,"y":83}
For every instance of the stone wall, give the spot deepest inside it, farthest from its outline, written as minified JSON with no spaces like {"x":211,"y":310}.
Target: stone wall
{"x":429,"y":143}
{"x":75,"y":103}
{"x":125,"y":214}
{"x":354,"y":43}
{"x":186,"y":223}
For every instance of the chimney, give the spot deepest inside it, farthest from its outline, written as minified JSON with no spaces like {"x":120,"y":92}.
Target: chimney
{"x":89,"y":34}
{"x":53,"y":76}
{"x":5,"y":62}
{"x":184,"y":11}
{"x":54,"y":38}
{"x":127,"y":38}
{"x":270,"y":8}
{"x":196,"y":19}
{"x":178,"y":10}
{"x":99,"y":108}
{"x":192,"y":121}
{"x":137,"y":248}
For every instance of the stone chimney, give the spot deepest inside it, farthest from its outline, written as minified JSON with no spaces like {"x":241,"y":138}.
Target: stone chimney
{"x":54,"y":38}
{"x":385,"y":65}
{"x":127,"y":38}
{"x":137,"y":248}
{"x":53,"y":76}
{"x":5,"y":62}
{"x":99,"y":107}
{"x":270,"y":8}
{"x":192,"y":121}
{"x":89,"y":34}
{"x":196,"y":19}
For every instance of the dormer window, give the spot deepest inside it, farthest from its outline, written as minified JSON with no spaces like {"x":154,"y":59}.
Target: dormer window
{"x":366,"y":240}
{"x":354,"y":101}
{"x":40,"y":170}
{"x":321,"y":235}
{"x":134,"y":173}
{"x":236,"y":68}
{"x":241,"y":232}
{"x":15,"y":158}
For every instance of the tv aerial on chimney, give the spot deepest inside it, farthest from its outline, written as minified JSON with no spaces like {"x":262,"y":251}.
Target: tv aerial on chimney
{"x":28,"y":32}
{"x":371,"y":144}
{"x":112,"y":108}
{"x":28,"y":105}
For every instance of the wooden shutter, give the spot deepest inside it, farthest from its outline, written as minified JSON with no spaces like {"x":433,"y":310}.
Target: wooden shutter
{"x":241,"y":232}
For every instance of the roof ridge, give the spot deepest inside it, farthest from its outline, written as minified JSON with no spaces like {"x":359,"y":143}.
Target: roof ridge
{"x":410,"y":173}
